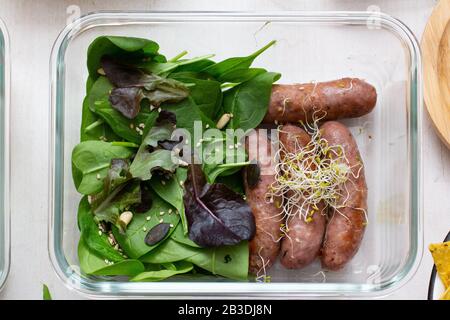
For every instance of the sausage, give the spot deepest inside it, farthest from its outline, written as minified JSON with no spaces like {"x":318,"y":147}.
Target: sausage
{"x":344,"y":98}
{"x":304,"y":236}
{"x":346,"y":225}
{"x":265,"y":246}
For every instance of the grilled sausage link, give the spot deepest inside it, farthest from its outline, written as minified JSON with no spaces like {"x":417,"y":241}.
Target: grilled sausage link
{"x":346,"y":226}
{"x":264,"y":247}
{"x":305,"y":230}
{"x":344,"y":98}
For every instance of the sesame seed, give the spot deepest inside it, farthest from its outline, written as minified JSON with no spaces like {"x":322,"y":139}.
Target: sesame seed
{"x":131,"y":126}
{"x":230,"y":147}
{"x":161,"y":220}
{"x":187,"y":141}
{"x":169,"y":211}
{"x":171,"y":225}
{"x":100,"y":232}
{"x":144,"y":229}
{"x":159,"y":109}
{"x":207,"y":126}
{"x":152,"y":107}
{"x":181,"y":183}
{"x":231,"y":115}
{"x":163,"y":182}
{"x":161,"y":213}
{"x":98,"y":176}
{"x":106,"y":261}
{"x":141,"y":125}
{"x":148,"y":218}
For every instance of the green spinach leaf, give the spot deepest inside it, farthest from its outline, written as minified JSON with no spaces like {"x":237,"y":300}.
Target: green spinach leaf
{"x":93,"y":239}
{"x":92,"y":264}
{"x":178,"y":268}
{"x":133,"y":240}
{"x":227,"y":261}
{"x":132,"y":48}
{"x":172,"y":192}
{"x":248,"y":102}
{"x":91,"y":161}
{"x":228,"y":65}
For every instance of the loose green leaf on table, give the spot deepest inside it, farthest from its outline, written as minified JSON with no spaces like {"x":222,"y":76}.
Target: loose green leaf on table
{"x":46,"y":293}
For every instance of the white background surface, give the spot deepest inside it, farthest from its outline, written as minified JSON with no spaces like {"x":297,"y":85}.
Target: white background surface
{"x":33,"y":27}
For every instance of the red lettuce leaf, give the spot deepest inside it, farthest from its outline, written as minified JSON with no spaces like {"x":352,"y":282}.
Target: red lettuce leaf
{"x":216,"y":215}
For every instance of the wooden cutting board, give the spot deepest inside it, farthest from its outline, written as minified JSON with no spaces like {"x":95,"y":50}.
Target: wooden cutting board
{"x":436,"y":66}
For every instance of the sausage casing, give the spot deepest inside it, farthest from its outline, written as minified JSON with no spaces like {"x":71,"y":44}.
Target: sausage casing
{"x":304,"y":236}
{"x":265,"y":246}
{"x":344,"y":98}
{"x":346,"y":225}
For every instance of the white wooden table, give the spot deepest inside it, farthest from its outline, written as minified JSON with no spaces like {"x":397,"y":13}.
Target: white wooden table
{"x":34,"y":25}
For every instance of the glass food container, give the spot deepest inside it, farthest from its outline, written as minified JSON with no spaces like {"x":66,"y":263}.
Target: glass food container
{"x":4,"y":154}
{"x":311,"y":46}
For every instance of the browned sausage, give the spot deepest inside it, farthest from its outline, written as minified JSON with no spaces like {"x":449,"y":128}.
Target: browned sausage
{"x":346,"y":226}
{"x":304,"y":236}
{"x":344,"y":98}
{"x":265,"y":245}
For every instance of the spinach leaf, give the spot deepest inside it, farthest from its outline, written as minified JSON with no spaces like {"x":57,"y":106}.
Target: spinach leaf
{"x":180,"y":267}
{"x":194,"y":67}
{"x":133,"y":240}
{"x":96,"y":241}
{"x":93,"y":127}
{"x":216,"y":215}
{"x":207,"y":94}
{"x":92,"y":264}
{"x":179,"y":236}
{"x":149,"y":156}
{"x":119,"y":47}
{"x":187,"y":113}
{"x":98,"y":100}
{"x":171,"y":191}
{"x":237,"y":76}
{"x":119,"y":200}
{"x":46,"y":293}
{"x":248,"y":102}
{"x":227,"y":261}
{"x":228,"y":65}
{"x":167,"y":67}
{"x":91,"y":161}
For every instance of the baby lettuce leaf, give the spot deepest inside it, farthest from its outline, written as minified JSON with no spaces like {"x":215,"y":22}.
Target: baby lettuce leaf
{"x":178,"y":268}
{"x":92,"y":264}
{"x":118,"y":201}
{"x":133,"y":240}
{"x":97,"y":243}
{"x":171,"y":191}
{"x":131,"y":48}
{"x":91,"y":161}
{"x":216,"y":215}
{"x":220,"y":69}
{"x":133,"y":85}
{"x":98,"y":100}
{"x":237,"y":76}
{"x":169,"y":66}
{"x":118,"y":174}
{"x":248,"y":102}
{"x":150,"y":155}
{"x":226,"y":261}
